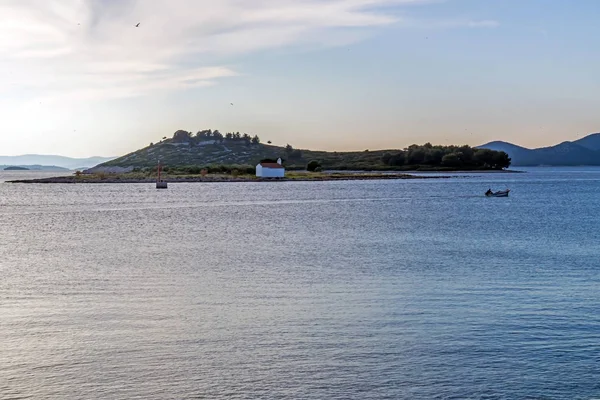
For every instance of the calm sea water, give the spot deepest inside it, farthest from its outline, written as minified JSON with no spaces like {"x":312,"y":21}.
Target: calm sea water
{"x":328,"y":290}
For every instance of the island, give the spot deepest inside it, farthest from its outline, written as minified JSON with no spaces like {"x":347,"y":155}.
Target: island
{"x":207,"y":148}
{"x":210,"y":156}
{"x":16,"y":168}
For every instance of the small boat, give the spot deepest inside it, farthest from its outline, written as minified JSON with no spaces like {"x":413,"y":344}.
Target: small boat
{"x":501,"y":193}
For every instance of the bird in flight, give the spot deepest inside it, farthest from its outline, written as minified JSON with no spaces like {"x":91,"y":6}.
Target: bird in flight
{"x":137,"y":25}
{"x":231,"y":103}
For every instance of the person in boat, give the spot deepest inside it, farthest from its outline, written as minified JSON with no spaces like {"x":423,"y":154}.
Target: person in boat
{"x":489,"y":191}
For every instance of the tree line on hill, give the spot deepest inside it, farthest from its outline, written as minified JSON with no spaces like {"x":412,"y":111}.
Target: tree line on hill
{"x":447,"y":156}
{"x":182,"y":136}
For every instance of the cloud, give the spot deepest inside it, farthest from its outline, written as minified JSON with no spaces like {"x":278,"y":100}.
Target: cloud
{"x":85,"y":49}
{"x":451,"y":24}
{"x":89,"y":47}
{"x":483,"y":24}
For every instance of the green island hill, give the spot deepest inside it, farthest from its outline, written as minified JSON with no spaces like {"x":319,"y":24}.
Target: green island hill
{"x":211,"y":148}
{"x":212,"y":156}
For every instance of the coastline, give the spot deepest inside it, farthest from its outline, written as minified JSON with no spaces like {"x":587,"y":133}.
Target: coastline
{"x":430,"y":171}
{"x":224,"y":178}
{"x":475,"y":171}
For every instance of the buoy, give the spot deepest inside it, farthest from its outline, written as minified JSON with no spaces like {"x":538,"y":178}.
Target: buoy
{"x":160,"y":184}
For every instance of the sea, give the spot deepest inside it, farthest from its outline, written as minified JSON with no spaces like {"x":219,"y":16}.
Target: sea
{"x":394,"y":289}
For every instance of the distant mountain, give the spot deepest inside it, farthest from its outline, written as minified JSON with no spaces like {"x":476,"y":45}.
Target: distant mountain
{"x":51,"y":160}
{"x":591,"y":142}
{"x":585,"y":151}
{"x":49,"y":168}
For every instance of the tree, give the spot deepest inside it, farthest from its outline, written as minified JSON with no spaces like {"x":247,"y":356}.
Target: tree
{"x":269,"y":142}
{"x":193,"y":170}
{"x":237,"y":136}
{"x":181,"y":136}
{"x":289,"y":149}
{"x":491,"y":159}
{"x":217,"y":135}
{"x":229,"y":136}
{"x":433,"y":156}
{"x":501,"y":160}
{"x":397,"y":159}
{"x":416,"y":156}
{"x":255,"y":139}
{"x":385,"y":158}
{"x":452,"y":160}
{"x":483,"y":157}
{"x":313,"y":165}
{"x":467,"y":154}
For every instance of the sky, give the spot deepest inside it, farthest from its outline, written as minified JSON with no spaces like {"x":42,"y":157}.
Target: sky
{"x":78,"y":78}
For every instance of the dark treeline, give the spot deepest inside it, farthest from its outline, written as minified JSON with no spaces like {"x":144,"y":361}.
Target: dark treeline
{"x":208,"y":134}
{"x":447,"y":156}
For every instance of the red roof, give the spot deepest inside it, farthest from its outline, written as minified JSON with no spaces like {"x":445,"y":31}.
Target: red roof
{"x":271,"y":165}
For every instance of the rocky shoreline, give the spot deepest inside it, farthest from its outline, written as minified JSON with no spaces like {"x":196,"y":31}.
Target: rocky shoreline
{"x":207,"y":179}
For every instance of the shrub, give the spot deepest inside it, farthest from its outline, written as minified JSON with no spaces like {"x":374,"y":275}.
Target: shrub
{"x":313,"y":165}
{"x":194,"y":170}
{"x":397,"y":159}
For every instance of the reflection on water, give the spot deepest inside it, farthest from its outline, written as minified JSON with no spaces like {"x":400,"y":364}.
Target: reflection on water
{"x":366,"y":290}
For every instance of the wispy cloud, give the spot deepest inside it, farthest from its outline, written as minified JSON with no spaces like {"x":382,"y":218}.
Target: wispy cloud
{"x":92,"y":49}
{"x":452,"y":24}
{"x":486,"y":23}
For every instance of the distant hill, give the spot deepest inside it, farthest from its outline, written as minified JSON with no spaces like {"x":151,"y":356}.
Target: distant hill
{"x":591,"y":142}
{"x":52,"y":160}
{"x":585,"y":151}
{"x":49,"y":168}
{"x":208,"y":148}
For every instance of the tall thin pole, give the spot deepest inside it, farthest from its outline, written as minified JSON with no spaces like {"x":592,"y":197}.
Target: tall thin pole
{"x":158,"y":171}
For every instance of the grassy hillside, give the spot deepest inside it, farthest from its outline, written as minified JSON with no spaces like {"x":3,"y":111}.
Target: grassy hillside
{"x":178,"y":154}
{"x":213,"y":149}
